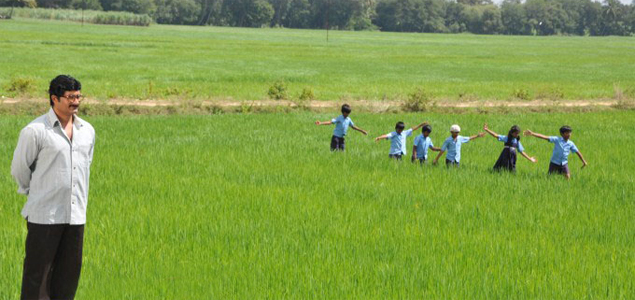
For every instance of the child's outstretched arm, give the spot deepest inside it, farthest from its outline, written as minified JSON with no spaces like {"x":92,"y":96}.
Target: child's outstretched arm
{"x":436,"y":160}
{"x":494,"y":134}
{"x":531,"y":159}
{"x":435,"y":149}
{"x":482,"y":134}
{"x":359,"y":129}
{"x":323,"y":122}
{"x":419,"y":126}
{"x":584,"y":163}
{"x":381,"y":137}
{"x":538,"y":135}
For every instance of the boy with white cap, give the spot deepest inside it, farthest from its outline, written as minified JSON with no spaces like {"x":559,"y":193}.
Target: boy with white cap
{"x":453,"y":146}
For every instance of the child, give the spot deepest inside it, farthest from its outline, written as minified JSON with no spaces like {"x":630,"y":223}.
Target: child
{"x":453,"y":146}
{"x":341,"y":127}
{"x":398,"y":139}
{"x":421,"y":145}
{"x":507,"y":159}
{"x":560,"y":157}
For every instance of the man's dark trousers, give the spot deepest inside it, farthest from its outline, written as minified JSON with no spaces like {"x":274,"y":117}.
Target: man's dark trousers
{"x":53,"y":261}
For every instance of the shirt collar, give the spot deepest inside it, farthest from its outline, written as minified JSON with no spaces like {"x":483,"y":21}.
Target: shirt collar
{"x":52,"y":118}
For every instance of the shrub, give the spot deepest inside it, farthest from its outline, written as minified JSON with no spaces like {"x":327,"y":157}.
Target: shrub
{"x":307,"y":94}
{"x":21,"y":85}
{"x":278,"y":91}
{"x":521,"y":94}
{"x":417,"y":101}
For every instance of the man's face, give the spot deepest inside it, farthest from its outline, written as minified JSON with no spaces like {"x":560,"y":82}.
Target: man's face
{"x":425,"y":133}
{"x":345,"y":114}
{"x":68,"y":104}
{"x":566,"y":135}
{"x":454,"y":134}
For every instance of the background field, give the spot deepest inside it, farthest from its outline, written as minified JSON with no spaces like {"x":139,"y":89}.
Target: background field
{"x":183,"y":62}
{"x":255,"y":206}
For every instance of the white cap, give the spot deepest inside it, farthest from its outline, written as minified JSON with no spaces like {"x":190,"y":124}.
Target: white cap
{"x":455,"y":128}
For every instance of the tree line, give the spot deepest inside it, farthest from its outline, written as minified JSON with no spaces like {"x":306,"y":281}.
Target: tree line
{"x":514,"y":17}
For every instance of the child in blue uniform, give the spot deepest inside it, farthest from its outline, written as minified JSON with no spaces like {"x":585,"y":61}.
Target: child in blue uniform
{"x":342,"y":123}
{"x":507,"y":158}
{"x":398,"y":139}
{"x":421,"y":145}
{"x":562,"y":147}
{"x":453,"y":146}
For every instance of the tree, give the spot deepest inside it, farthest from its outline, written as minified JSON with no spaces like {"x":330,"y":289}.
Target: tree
{"x":177,"y":12}
{"x":514,"y":18}
{"x":613,"y":20}
{"x":248,"y":13}
{"x":134,"y":6}
{"x":54,"y":3}
{"x":298,"y":14}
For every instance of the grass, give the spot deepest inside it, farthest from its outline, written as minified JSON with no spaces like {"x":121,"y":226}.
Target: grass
{"x":88,"y":16}
{"x":256,"y":206}
{"x":182,"y":62}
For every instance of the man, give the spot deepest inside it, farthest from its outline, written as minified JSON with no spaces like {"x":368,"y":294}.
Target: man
{"x":51,"y":165}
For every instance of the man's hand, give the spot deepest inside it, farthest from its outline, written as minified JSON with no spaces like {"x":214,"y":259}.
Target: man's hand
{"x":365,"y":132}
{"x":413,"y":158}
{"x":482,"y":134}
{"x":529,"y":132}
{"x":584,"y":164}
{"x":485,"y":127}
{"x":532,"y":159}
{"x":318,"y":123}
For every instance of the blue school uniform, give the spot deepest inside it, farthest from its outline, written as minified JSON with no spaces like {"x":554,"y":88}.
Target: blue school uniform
{"x":341,"y":125}
{"x":398,"y":142}
{"x":561,"y":150}
{"x":507,"y":158}
{"x":504,"y":139}
{"x":423,"y":144}
{"x":453,"y":147}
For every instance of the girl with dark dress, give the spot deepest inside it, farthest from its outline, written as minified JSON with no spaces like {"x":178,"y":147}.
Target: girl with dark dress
{"x":507,"y":159}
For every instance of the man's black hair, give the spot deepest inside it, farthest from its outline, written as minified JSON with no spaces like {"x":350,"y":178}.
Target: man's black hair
{"x":62,"y":84}
{"x":565,"y":128}
{"x":346,"y":109}
{"x":427,"y":128}
{"x":400,"y":125}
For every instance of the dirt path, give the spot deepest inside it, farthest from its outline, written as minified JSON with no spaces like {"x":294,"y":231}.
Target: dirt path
{"x":378,"y":105}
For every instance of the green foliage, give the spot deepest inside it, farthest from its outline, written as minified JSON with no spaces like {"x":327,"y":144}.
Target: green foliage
{"x":224,"y":63}
{"x":278,"y":90}
{"x":89,"y":16}
{"x":177,"y":12}
{"x":256,"y":206}
{"x":248,"y":13}
{"x":521,"y":94}
{"x":418,"y":101}
{"x":307,"y":94}
{"x":21,"y":85}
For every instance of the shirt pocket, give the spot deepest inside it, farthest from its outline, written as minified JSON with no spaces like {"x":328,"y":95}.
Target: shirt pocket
{"x":82,"y":153}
